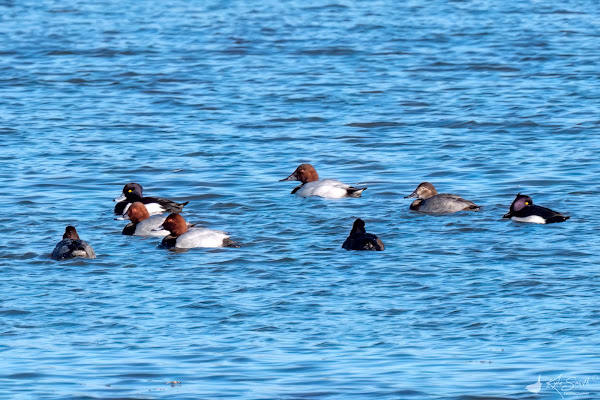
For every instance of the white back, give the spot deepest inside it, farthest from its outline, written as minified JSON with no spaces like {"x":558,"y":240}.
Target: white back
{"x":201,"y":237}
{"x":145,"y":227}
{"x":329,"y":188}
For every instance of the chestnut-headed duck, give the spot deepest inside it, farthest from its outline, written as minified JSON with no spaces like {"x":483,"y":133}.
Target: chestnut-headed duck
{"x":313,"y":186}
{"x":183,"y":238}
{"x":142,"y":224}
{"x":429,"y":201}
{"x":522,"y":209}
{"x":359,"y":239}
{"x":71,"y":246}
{"x":133,"y":192}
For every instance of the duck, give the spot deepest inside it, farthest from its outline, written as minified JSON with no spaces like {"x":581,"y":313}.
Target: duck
{"x":522,"y":209}
{"x":313,"y":186}
{"x":133,"y":192}
{"x":142,"y":224}
{"x":72,"y":246}
{"x":359,"y":239}
{"x":429,"y":201}
{"x":182,"y":237}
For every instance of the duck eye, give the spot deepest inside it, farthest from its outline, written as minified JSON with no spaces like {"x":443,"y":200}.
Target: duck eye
{"x":130,"y":190}
{"x":526,"y":203}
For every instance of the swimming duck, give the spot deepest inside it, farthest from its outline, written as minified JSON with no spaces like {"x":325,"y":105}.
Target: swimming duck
{"x":359,"y":239}
{"x":312,"y":186}
{"x":133,"y":192}
{"x":429,"y":201}
{"x":522,"y":209}
{"x":183,"y":238}
{"x":142,"y":224}
{"x":71,"y":246}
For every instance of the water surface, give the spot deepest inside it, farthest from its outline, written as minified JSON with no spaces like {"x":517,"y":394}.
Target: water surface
{"x":212,"y":103}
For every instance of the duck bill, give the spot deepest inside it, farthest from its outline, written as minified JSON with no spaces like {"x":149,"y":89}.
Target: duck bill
{"x":292,"y":177}
{"x":412,"y":195}
{"x":120,"y":198}
{"x":160,"y":228}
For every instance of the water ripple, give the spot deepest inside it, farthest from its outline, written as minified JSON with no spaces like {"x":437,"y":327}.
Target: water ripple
{"x":214,"y":103}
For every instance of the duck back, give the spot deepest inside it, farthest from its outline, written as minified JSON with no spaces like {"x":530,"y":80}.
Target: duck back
{"x":197,"y":237}
{"x":146,"y":227}
{"x":155,"y":205}
{"x":328,"y":188}
{"x":538,"y":214}
{"x":363,"y":241}
{"x":71,"y":248}
{"x":446,"y":203}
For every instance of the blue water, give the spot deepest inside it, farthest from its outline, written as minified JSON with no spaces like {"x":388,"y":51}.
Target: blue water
{"x":213,"y":102}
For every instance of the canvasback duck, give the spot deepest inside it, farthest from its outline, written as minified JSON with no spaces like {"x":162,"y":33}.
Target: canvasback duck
{"x":133,"y":192}
{"x":142,"y":224}
{"x":359,"y":239}
{"x":312,"y":186}
{"x":71,"y":246}
{"x":429,"y":201}
{"x":522,"y":209}
{"x":183,"y":238}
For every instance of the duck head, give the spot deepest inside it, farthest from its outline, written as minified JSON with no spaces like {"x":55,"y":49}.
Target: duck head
{"x":175,"y":224}
{"x":424,"y":191}
{"x":304,"y":173}
{"x":132,"y":192}
{"x":137,"y":212}
{"x":519,"y":203}
{"x":358,"y":227}
{"x":71,"y":233}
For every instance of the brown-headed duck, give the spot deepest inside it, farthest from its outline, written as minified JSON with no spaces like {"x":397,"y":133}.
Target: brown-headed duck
{"x":142,"y":224}
{"x":183,"y":238}
{"x":71,"y":246}
{"x":313,"y":186}
{"x":429,"y":201}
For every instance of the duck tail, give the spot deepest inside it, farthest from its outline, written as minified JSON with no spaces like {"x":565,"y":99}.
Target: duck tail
{"x":355,"y":192}
{"x":557,"y":218}
{"x":179,"y":207}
